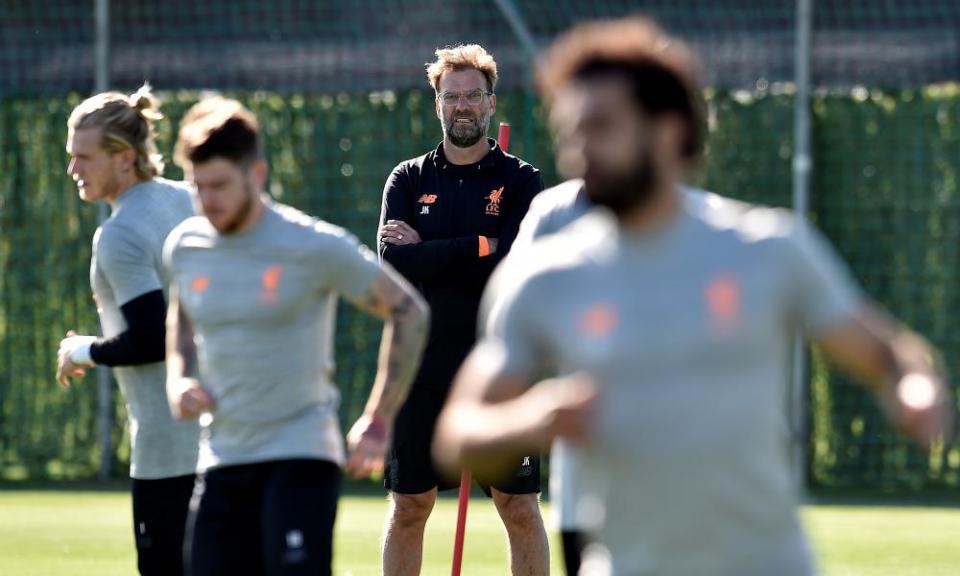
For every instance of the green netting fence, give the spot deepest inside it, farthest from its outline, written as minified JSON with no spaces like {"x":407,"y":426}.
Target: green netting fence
{"x":339,"y":89}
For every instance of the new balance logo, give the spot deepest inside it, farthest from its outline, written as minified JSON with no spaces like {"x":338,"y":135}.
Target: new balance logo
{"x":427,"y":199}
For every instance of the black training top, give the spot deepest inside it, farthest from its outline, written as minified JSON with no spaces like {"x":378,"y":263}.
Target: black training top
{"x":454,"y":208}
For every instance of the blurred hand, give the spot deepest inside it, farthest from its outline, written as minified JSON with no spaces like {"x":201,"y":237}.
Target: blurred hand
{"x":66,"y":367}
{"x":367,"y":441}
{"x":920,"y":406}
{"x":565,"y":407}
{"x":192,"y":400}
{"x":398,"y":233}
{"x":67,"y":370}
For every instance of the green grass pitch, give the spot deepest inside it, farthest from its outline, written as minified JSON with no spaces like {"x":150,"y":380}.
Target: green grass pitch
{"x":68,"y":532}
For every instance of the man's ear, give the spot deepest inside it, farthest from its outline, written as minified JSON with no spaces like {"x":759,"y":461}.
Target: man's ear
{"x":258,"y":171}
{"x":670,"y":134}
{"x":128,"y":159}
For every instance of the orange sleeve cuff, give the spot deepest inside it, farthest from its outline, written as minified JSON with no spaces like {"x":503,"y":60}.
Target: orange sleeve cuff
{"x":484,"y":246}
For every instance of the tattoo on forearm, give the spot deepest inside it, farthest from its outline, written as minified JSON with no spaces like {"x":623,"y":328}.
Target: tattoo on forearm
{"x":400,"y":351}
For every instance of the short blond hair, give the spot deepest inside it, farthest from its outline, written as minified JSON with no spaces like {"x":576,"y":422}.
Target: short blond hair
{"x":462,"y":57}
{"x":125,"y":123}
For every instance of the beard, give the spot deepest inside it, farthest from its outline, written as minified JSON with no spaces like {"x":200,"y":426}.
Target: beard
{"x":465,"y":135}
{"x":623,"y":193}
{"x":108,"y":190}
{"x":240,"y":217}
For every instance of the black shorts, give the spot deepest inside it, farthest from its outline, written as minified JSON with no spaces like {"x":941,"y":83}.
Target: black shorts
{"x":268,"y":518}
{"x":159,"y":521}
{"x":409,"y":468}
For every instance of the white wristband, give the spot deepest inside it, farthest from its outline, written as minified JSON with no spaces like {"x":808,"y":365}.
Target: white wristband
{"x":80,"y":354}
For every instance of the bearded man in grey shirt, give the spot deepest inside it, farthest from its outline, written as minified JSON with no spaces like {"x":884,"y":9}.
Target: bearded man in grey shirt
{"x":550,"y":212}
{"x":113,"y":159}
{"x":254,"y":290}
{"x":668,"y":320}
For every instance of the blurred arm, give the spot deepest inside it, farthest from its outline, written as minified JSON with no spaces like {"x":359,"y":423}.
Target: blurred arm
{"x":186,"y":397}
{"x":493,"y":416}
{"x":406,"y":318}
{"x":900,"y":368}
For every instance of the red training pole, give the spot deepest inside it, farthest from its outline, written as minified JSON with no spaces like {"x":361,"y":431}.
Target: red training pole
{"x":463,"y":499}
{"x":503,"y":136}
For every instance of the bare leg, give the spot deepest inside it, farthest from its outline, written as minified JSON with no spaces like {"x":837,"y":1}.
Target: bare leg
{"x":403,"y":535}
{"x":529,"y":549}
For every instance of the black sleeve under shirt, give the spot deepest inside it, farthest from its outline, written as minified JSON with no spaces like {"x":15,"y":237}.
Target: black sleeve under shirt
{"x":144,"y":340}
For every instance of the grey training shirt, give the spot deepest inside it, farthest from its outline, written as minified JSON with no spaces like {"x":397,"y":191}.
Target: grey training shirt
{"x":687,"y":333}
{"x":127,"y":263}
{"x":550,"y":212}
{"x":262,"y":303}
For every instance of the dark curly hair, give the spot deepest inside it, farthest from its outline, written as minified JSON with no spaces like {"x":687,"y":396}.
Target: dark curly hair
{"x":663,"y":73}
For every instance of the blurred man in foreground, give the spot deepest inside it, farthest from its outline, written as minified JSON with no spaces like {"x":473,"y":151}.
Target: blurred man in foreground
{"x":254,"y":292}
{"x":668,"y":320}
{"x":550,"y":212}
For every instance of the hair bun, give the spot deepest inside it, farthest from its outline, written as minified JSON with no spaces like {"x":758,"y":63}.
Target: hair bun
{"x":145,"y":102}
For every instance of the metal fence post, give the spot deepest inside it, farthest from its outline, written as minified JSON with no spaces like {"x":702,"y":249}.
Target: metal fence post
{"x":104,"y":384}
{"x":802,"y":166}
{"x":530,"y":49}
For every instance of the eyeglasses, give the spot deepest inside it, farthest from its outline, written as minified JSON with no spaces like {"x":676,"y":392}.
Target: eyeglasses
{"x":472,"y":97}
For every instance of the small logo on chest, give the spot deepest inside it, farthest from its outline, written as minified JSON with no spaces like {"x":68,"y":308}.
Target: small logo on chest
{"x":724,"y":302}
{"x":200,"y":284}
{"x":493,"y":208}
{"x":599,"y":320}
{"x":424,"y":210}
{"x":197,"y":286}
{"x":270,"y":282}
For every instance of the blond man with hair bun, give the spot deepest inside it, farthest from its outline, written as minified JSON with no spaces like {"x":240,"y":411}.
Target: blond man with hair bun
{"x":114,"y":159}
